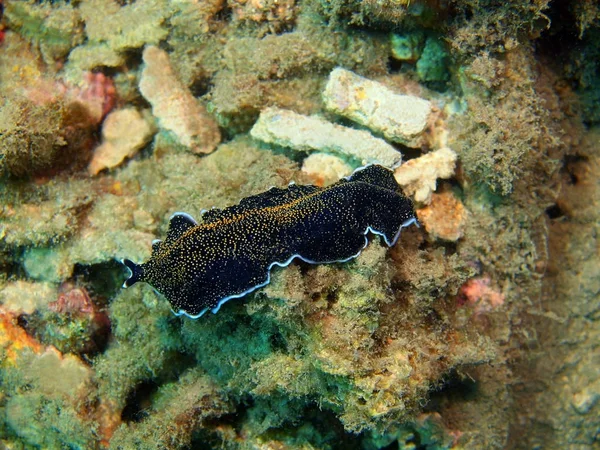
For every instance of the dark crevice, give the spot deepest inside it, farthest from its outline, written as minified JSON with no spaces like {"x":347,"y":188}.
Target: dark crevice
{"x":394,"y":65}
{"x":278,"y":343}
{"x":201,"y":86}
{"x":139,"y":402}
{"x":573,"y":166}
{"x":224,"y":15}
{"x":555,"y":212}
{"x":455,"y":388}
{"x":103,"y":281}
{"x":393,"y":446}
{"x":408,"y":153}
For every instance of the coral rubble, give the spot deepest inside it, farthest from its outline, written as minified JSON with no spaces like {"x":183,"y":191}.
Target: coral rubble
{"x":310,"y":133}
{"x":400,"y":118}
{"x":324,"y":169}
{"x":419,"y":176}
{"x":124,"y":132}
{"x":175,"y":108}
{"x":444,"y":217}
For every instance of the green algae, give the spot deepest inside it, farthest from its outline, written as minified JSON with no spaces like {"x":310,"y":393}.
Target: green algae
{"x":178,"y":411}
{"x":432,"y":65}
{"x":55,"y":27}
{"x":45,"y":389}
{"x":38,"y":138}
{"x":138,"y":351}
{"x":407,"y":46}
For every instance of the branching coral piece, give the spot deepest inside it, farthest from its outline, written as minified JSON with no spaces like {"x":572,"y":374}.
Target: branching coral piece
{"x":418,"y":176}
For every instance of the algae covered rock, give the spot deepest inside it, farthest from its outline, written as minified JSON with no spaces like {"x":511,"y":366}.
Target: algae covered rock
{"x":407,"y":46}
{"x":432,"y":65}
{"x":55,"y":27}
{"x":113,"y":29}
{"x":35,"y":138}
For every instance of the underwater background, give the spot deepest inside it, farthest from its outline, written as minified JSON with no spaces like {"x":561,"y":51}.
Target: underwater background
{"x":478,"y":329}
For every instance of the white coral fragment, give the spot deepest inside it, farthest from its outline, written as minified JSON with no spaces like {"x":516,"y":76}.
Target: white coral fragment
{"x":308,"y":133}
{"x":399,"y":118}
{"x":174,"y":105}
{"x":418,"y":176}
{"x":323,"y":169}
{"x":124,"y":132}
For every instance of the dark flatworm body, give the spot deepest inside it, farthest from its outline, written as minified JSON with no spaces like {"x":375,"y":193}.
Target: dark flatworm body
{"x":231,"y":253}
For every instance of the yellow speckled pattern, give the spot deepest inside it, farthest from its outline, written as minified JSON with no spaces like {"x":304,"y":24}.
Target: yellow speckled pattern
{"x":200,"y":266}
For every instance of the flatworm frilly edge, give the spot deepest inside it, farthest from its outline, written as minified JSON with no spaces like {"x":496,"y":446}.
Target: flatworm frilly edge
{"x":200,"y":266}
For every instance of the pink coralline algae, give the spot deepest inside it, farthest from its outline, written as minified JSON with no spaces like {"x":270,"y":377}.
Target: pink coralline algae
{"x":99,"y":90}
{"x":72,"y":300}
{"x":96,"y":93}
{"x":478,"y":293}
{"x":75,"y":303}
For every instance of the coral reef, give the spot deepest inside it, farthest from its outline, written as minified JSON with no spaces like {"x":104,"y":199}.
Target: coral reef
{"x":286,"y":70}
{"x":477,"y":330}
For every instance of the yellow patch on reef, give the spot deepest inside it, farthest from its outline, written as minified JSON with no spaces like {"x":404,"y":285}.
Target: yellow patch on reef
{"x":361,"y":94}
{"x":26,"y":72}
{"x":14,"y":339}
{"x":117,"y":188}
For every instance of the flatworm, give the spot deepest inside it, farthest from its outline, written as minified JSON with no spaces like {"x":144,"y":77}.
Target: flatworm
{"x":232,"y":251}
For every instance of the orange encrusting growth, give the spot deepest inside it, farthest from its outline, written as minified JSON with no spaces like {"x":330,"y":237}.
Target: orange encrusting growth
{"x":14,"y":339}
